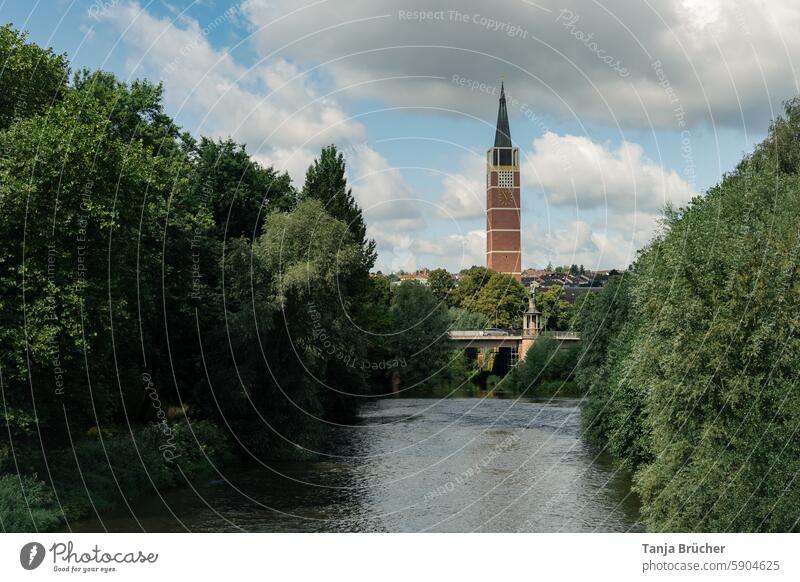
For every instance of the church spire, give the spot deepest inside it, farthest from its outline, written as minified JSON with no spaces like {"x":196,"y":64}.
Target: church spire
{"x":502,"y":136}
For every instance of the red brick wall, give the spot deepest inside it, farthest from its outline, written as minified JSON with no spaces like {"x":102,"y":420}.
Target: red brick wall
{"x":503,"y":218}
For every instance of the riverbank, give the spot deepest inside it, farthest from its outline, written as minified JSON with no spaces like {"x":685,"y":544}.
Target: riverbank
{"x":110,"y":470}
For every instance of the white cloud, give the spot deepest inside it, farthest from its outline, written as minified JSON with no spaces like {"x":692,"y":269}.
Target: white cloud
{"x":273,"y":107}
{"x":576,"y":242}
{"x":381,"y":190}
{"x":574,"y":170}
{"x":295,"y":161}
{"x":406,"y":251}
{"x":464,"y":193}
{"x":725,"y":61}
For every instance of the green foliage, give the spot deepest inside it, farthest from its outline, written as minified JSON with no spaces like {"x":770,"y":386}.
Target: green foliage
{"x":502,"y":300}
{"x":470,"y":283}
{"x":31,"y":78}
{"x":486,"y":298}
{"x":692,"y":379}
{"x":375,"y":321}
{"x":97,"y":475}
{"x":129,"y":282}
{"x":326,"y":182}
{"x":78,"y":200}
{"x":441,"y":284}
{"x":718,"y":354}
{"x":419,"y":326}
{"x":546,"y":363}
{"x":614,"y":415}
{"x":557,"y":312}
{"x":462,"y":370}
{"x":26,"y":504}
{"x":461,"y":319}
{"x":285,"y":356}
{"x":134,"y":111}
{"x":239,"y":191}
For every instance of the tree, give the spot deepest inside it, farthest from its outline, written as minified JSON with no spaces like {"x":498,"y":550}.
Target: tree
{"x":135,"y":111}
{"x":441,"y":284}
{"x":583,"y":304}
{"x":718,"y":353}
{"x":86,"y":312}
{"x":419,"y":341}
{"x":375,"y":326}
{"x":239,"y":191}
{"x":325,"y":181}
{"x":546,"y":361}
{"x":502,"y":301}
{"x":32,"y":79}
{"x":471,"y":282}
{"x":614,"y":416}
{"x":461,"y":319}
{"x":285,"y":358}
{"x":556,"y":311}
{"x":695,"y":385}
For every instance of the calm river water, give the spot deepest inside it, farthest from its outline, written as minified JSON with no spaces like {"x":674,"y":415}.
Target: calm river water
{"x":415,"y":464}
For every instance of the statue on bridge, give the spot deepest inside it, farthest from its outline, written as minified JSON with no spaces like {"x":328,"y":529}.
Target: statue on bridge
{"x":532,"y":318}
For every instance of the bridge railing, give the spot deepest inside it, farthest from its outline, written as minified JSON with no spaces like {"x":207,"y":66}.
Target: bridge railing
{"x":501,"y":333}
{"x":495,"y":332}
{"x":562,"y":335}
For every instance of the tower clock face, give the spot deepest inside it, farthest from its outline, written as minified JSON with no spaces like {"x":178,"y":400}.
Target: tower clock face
{"x":506,"y":198}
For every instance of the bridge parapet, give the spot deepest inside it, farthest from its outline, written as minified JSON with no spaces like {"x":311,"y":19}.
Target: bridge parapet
{"x":562,"y":335}
{"x":499,"y":335}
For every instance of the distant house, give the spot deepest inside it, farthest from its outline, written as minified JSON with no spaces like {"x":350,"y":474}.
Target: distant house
{"x":574,"y":285}
{"x":420,"y":275}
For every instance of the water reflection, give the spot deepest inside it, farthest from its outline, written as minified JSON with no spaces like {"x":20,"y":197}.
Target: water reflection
{"x":416,"y":464}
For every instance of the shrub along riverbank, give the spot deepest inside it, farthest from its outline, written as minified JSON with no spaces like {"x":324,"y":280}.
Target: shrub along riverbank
{"x":116,"y":466}
{"x":692,"y":358}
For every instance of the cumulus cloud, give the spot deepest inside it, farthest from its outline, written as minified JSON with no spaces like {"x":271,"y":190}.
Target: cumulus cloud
{"x":464,"y":193}
{"x":410,"y":251}
{"x":574,"y":170}
{"x":577,"y":242}
{"x":381,"y":190}
{"x":272,"y":106}
{"x":632,"y":63}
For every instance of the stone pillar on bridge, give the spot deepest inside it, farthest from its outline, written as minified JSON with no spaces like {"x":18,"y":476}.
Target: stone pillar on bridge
{"x":531,"y":323}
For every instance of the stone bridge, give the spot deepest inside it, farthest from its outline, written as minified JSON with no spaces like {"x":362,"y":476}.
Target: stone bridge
{"x":510,"y":345}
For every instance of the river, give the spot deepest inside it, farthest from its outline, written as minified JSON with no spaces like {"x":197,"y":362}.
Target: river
{"x":411,"y":465}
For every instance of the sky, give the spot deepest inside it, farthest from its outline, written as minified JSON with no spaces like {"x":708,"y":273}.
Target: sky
{"x":619,"y":108}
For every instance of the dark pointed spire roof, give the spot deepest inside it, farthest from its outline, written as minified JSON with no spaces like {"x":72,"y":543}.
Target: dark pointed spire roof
{"x":502,"y":136}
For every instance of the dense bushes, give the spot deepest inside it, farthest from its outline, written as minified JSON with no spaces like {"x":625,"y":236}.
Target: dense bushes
{"x":26,"y":504}
{"x":97,"y":474}
{"x":614,"y":414}
{"x":693,"y":381}
{"x":546,"y":370}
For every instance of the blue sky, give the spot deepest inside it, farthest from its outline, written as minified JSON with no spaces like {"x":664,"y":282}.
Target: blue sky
{"x":616,"y":110}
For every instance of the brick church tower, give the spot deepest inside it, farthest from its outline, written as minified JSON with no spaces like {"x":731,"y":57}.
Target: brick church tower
{"x":503,"y":248}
